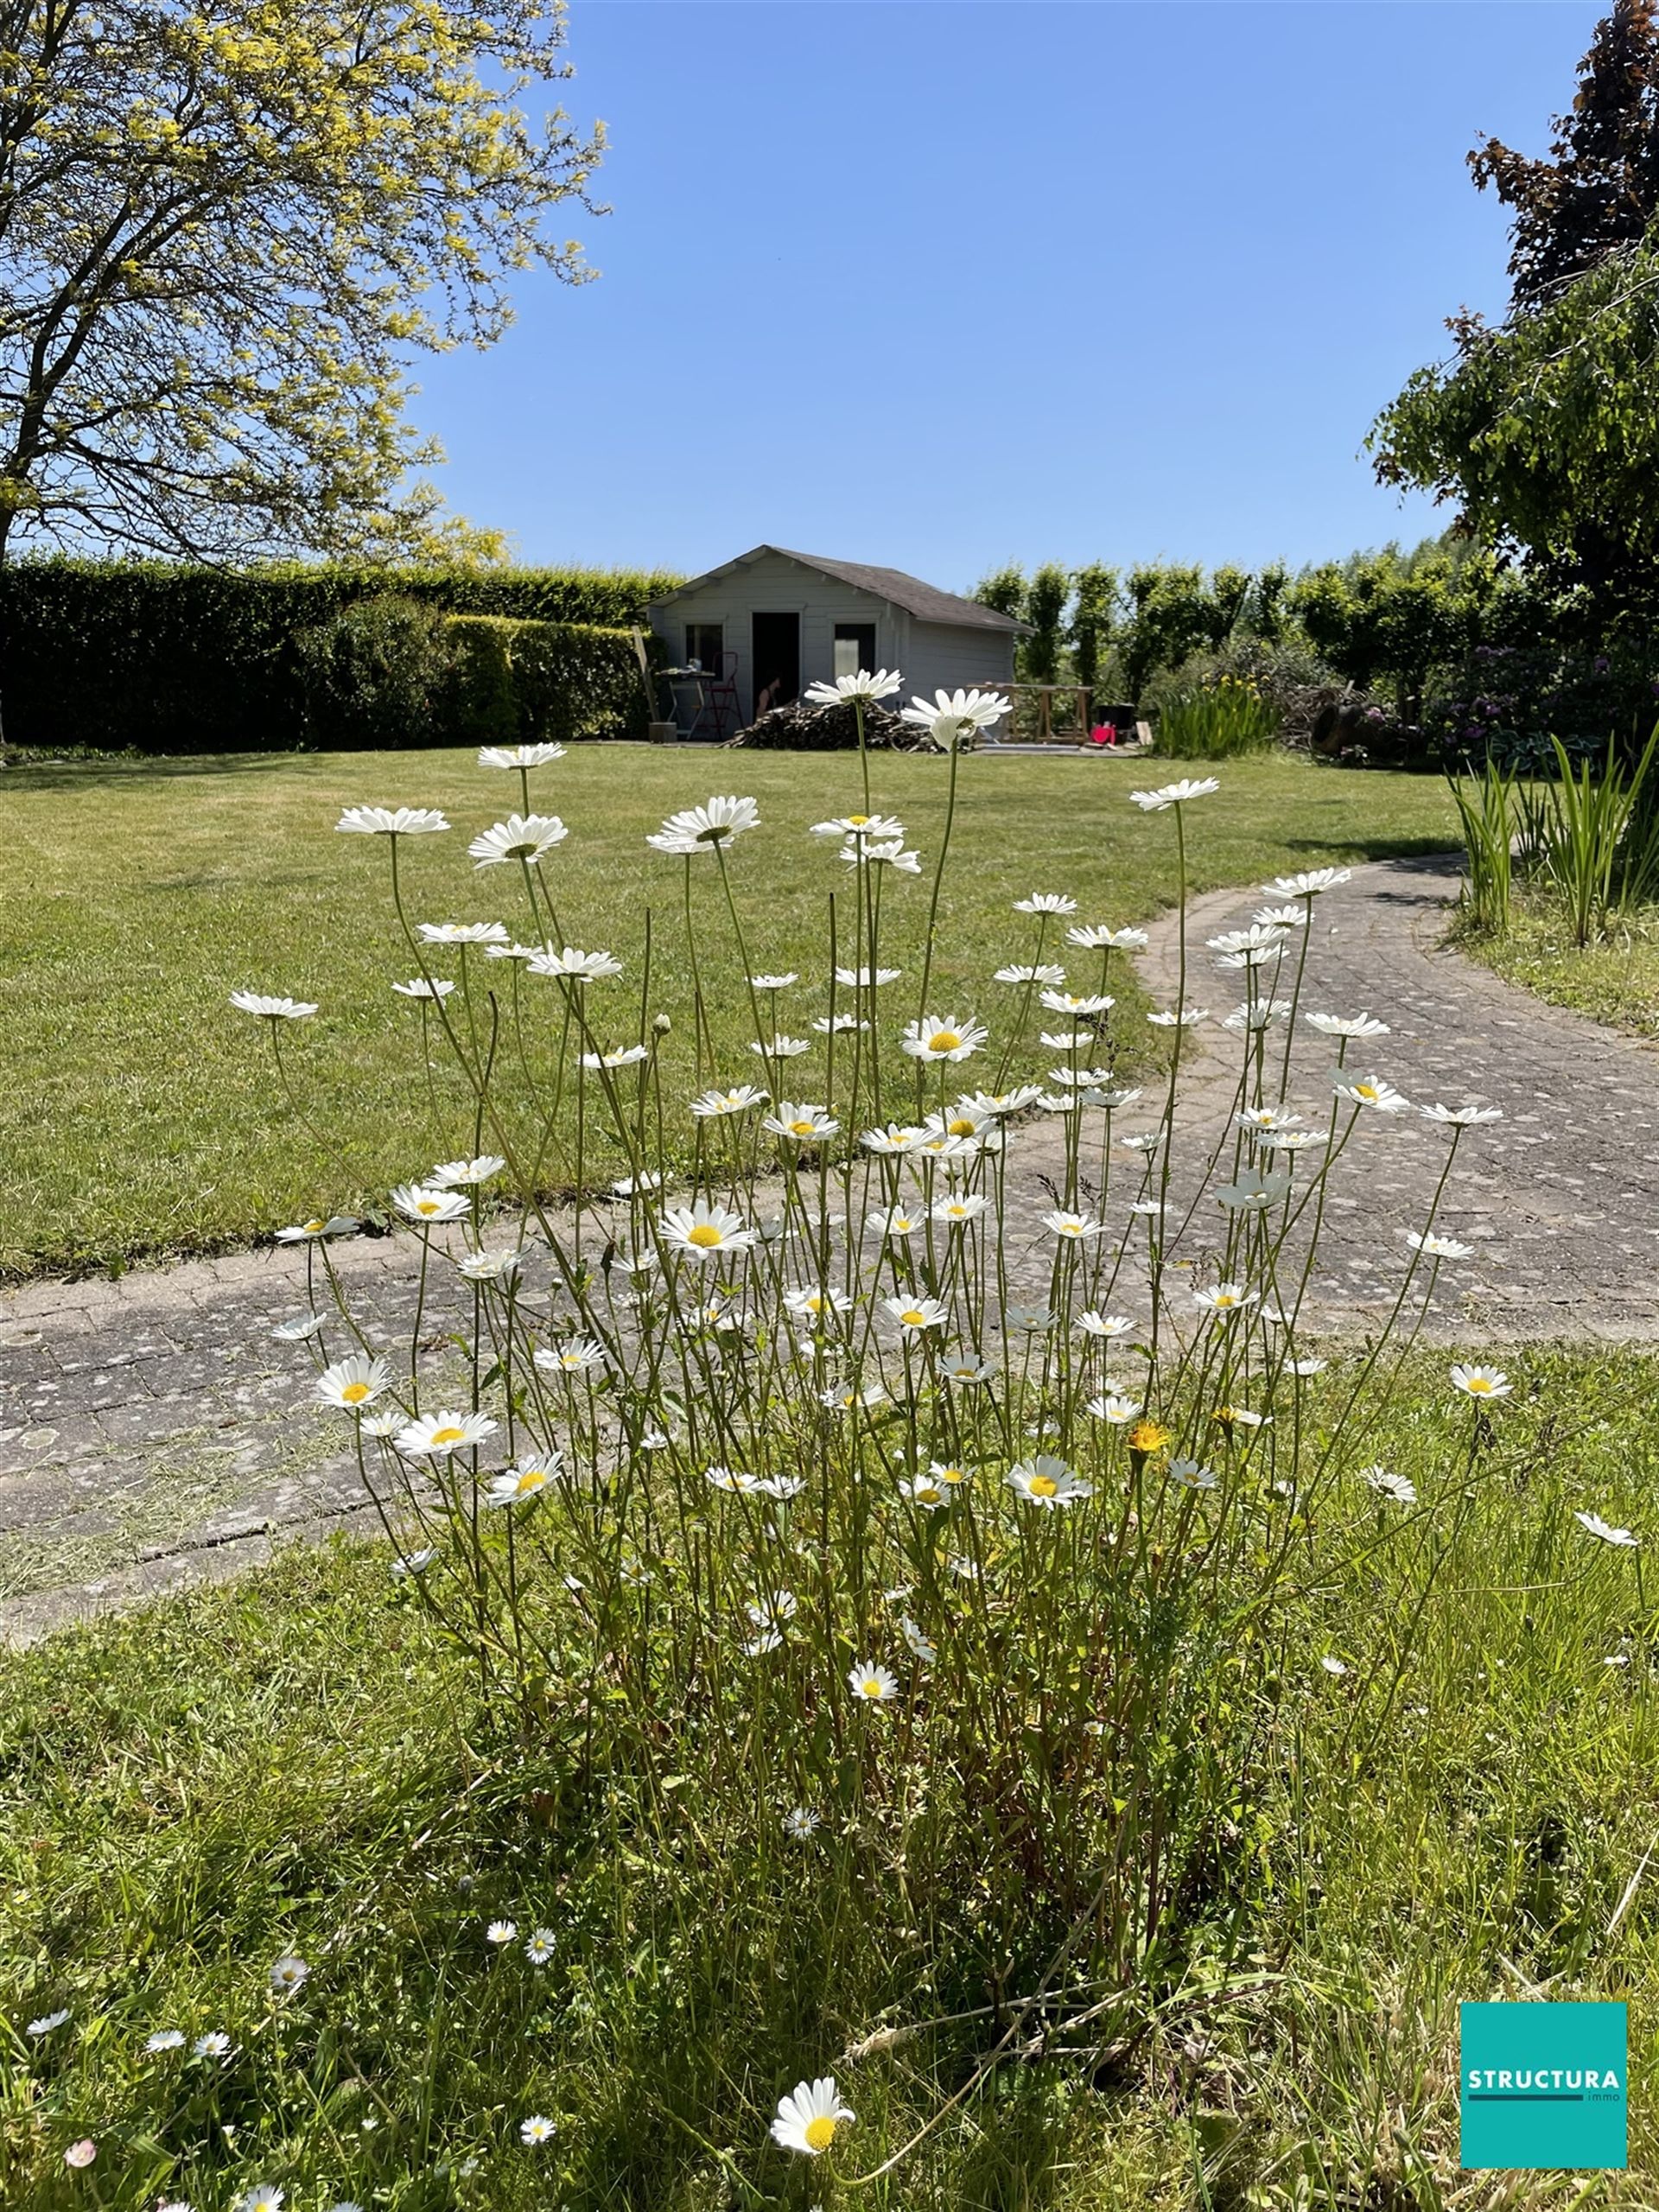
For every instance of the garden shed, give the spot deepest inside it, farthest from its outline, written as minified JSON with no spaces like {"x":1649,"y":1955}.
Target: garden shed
{"x":770,"y":622}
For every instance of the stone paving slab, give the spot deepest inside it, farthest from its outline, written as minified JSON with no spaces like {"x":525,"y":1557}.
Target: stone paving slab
{"x":152,"y":1432}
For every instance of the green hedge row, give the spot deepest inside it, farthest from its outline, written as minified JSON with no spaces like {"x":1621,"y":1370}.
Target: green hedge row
{"x":171,"y":659}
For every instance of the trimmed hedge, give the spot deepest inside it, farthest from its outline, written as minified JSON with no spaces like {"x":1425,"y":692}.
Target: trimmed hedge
{"x":159,"y":659}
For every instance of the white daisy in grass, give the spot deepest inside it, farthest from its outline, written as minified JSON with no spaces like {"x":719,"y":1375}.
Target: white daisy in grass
{"x":296,"y":1331}
{"x":1067,"y":1041}
{"x":1461,"y":1117}
{"x":500,"y":1932}
{"x":959,"y":1210}
{"x":897,"y":1139}
{"x":576,"y":1356}
{"x":1480,"y":1382}
{"x":953,"y":1474}
{"x":165,"y":2039}
{"x":353,"y":1382}
{"x":310,"y":1232}
{"x":1604,"y":1531}
{"x":1295,"y":916}
{"x":916,"y":1314}
{"x":435,"y":1436}
{"x":898,"y":1221}
{"x":1230,"y":1416}
{"x":848,"y":1397}
{"x":1093,"y":1323}
{"x":1073,"y":1228}
{"x":1188,"y":1017}
{"x":1436,"y":1246}
{"x":1252,"y":957}
{"x":1332,"y":1665}
{"x":1289,"y":1140}
{"x":1115,"y":1409}
{"x":873,"y":1684}
{"x":515,"y":951}
{"x":1077,"y":1003}
{"x":705,"y":1231}
{"x":890,"y":853}
{"x":1258,"y":938}
{"x":774,"y":983}
{"x":46,"y":2024}
{"x":536,"y":2131}
{"x":801,"y":1823}
{"x":964,"y":1119}
{"x":808,"y":2116}
{"x":1079,"y":1079}
{"x":929,"y":1491}
{"x":1045,"y":902}
{"x":820,"y":1302}
{"x":1307,"y":883}
{"x":801,"y":1124}
{"x":492,"y":1267}
{"x":950,"y":718}
{"x":1146,"y":1141}
{"x":420,"y":1202}
{"x":1347,"y":1025}
{"x":700,"y":829}
{"x":519,"y":756}
{"x":864,"y":683}
{"x":392,"y":821}
{"x":1257,"y":1118}
{"x":772,"y":1608}
{"x":463,"y":933}
{"x":998,"y":1104}
{"x":465,"y":1174}
{"x":734,"y":1481}
{"x":1030,"y":1320}
{"x":1254,"y":1191}
{"x":1387,"y":1484}
{"x":517,"y":1485}
{"x":1224,"y":1298}
{"x":1098,"y":937}
{"x":1303,"y":1366}
{"x":575,"y":965}
{"x":920,"y":1647}
{"x":714,"y":1105}
{"x":1047,"y":974}
{"x":1368,"y":1091}
{"x":782,"y":1487}
{"x":1048,"y":1482}
{"x":271,"y":1009}
{"x":873,"y":829}
{"x":866,"y":979}
{"x":943,"y":1037}
{"x":619,"y":1056}
{"x":213,"y":2044}
{"x":1176,"y":794}
{"x":641,"y":1185}
{"x":262,"y":2197}
{"x":287,"y":1975}
{"x":837,"y":1025}
{"x":1192,"y":1476}
{"x":1113,"y":1099}
{"x":416,"y":1563}
{"x":780,"y":1048}
{"x":965,"y":1369}
{"x":538,"y":1946}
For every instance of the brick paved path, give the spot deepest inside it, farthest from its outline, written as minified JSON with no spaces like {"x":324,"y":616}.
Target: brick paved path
{"x":152,"y":1432}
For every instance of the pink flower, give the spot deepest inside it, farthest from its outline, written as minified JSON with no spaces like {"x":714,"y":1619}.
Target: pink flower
{"x":80,"y":2154}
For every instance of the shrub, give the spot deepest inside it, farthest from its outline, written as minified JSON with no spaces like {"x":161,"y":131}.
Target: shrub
{"x":375,"y":674}
{"x":1216,"y":720}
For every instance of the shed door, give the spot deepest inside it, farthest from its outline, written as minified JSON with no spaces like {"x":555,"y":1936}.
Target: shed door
{"x":777,"y":661}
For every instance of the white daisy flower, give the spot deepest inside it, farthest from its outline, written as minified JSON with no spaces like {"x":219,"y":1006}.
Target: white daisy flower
{"x":1115,"y":1408}
{"x":1388,"y":1485}
{"x":878,"y":829}
{"x":575,"y":966}
{"x":1034,"y":1320}
{"x":287,"y":1975}
{"x":45,"y":2024}
{"x":1253,"y":1192}
{"x":1368,"y":1090}
{"x":1438,"y":1247}
{"x":538,"y":1948}
{"x":1349,"y":1025}
{"x":781,"y":1048}
{"x":271,"y":1009}
{"x":437,"y":1435}
{"x":801,"y":1823}
{"x":1019,"y":972}
{"x":308,"y":1232}
{"x":1293,"y":916}
{"x":928,"y":1491}
{"x":424,"y":987}
{"x":296,"y":1331}
{"x":705,"y":1231}
{"x":714,"y":1105}
{"x":465,"y":1174}
{"x":1177,"y":794}
{"x":1045,"y":902}
{"x":1266,"y":1117}
{"x":1073,"y":1228}
{"x":354,"y":1382}
{"x":263,"y":2197}
{"x":700,"y":829}
{"x":889,"y":854}
{"x":819,"y":1304}
{"x":518,"y":756}
{"x":837,"y":1025}
{"x":919,"y":1646}
{"x":576,"y":1356}
{"x":537,"y":2129}
{"x":416,"y":1563}
{"x":1077,"y":1003}
{"x":1595,"y":1526}
{"x":517,"y":1485}
{"x":943,"y":1037}
{"x":1481,"y":1382}
{"x":492,"y":1267}
{"x":619,"y":1056}
{"x":916,"y":1314}
{"x":954,"y":718}
{"x":873,"y":1684}
{"x":1048,"y":1482}
{"x":464,"y":933}
{"x":965,"y":1369}
{"x":1166,"y":1018}
{"x":1461,"y":1117}
{"x":1308,"y":883}
{"x":1333,"y":1666}
{"x":1258,"y":938}
{"x":421,"y":1203}
{"x":883,"y":684}
{"x":500,"y":1931}
{"x":1192,"y":1476}
{"x":1093,"y":1323}
{"x":774,"y":983}
{"x":808,"y":2116}
{"x":392,"y":821}
{"x":1097,"y":937}
{"x":213,"y":2044}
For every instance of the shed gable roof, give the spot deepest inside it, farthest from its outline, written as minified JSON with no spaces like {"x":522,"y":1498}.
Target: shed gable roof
{"x":923,"y":601}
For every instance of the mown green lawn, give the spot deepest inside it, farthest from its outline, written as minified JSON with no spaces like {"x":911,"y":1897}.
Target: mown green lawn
{"x":144,"y":1118}
{"x":1613,"y":979}
{"x":297,"y":1764}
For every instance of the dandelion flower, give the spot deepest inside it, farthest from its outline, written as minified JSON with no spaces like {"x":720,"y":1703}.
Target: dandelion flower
{"x":1148,"y":1435}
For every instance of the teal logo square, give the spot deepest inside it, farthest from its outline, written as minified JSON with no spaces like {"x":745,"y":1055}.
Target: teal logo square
{"x":1543,"y":2085}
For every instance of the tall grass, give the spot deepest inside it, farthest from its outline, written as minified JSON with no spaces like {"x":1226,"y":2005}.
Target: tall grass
{"x":1486,"y":815}
{"x":1216,"y":720}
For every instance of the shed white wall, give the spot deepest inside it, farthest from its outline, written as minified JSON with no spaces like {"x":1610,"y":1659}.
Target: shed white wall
{"x":940,"y":657}
{"x":774,"y":585}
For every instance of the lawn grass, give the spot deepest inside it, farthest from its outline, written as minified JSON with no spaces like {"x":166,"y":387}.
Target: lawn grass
{"x":144,"y":1118}
{"x":298,"y":1762}
{"x":1614,"y":979}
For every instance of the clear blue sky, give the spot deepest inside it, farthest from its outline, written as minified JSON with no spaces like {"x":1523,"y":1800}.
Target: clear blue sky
{"x":939,"y":284}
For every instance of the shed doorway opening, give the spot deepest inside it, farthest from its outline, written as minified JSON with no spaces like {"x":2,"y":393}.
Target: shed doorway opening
{"x":777,"y":662}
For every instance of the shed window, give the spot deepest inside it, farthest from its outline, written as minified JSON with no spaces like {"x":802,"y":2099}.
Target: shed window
{"x":854,"y":647}
{"x":703,"y":643}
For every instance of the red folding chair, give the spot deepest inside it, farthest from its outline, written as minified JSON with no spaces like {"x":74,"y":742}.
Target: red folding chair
{"x":722,"y":695}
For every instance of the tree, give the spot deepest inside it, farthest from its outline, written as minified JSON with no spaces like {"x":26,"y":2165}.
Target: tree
{"x":224,"y":228}
{"x":1045,"y":597}
{"x":1094,"y":617}
{"x":1599,"y":190}
{"x":1004,"y":589}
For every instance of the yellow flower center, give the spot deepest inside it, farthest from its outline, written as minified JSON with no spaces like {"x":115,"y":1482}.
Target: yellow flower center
{"x":951,"y":1475}
{"x":944,"y":1040}
{"x":314,"y":1229}
{"x":450,"y":1435}
{"x":1043,"y":1486}
{"x":962,"y":1127}
{"x":871,"y":1686}
{"x":532,"y":1478}
{"x":915,"y":1319}
{"x":1226,"y":1298}
{"x":858,"y":822}
{"x":429,"y":1205}
{"x":1365,"y":1090}
{"x":1479,"y":1386}
{"x":705,"y":1235}
{"x":820,"y":2132}
{"x":355,"y":1393}
{"x":929,"y":1494}
{"x":800,"y":1129}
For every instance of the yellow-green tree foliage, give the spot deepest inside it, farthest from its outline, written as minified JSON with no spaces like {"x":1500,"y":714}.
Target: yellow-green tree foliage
{"x":223,"y":232}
